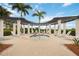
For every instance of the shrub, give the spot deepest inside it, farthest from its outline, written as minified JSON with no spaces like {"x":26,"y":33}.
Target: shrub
{"x":26,"y":30}
{"x":52,"y":31}
{"x":7,"y":32}
{"x":72,"y":31}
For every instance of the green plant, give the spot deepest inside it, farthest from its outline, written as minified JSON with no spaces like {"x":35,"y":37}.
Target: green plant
{"x":26,"y":30}
{"x":4,"y":12}
{"x":7,"y":32}
{"x":76,"y":41}
{"x":52,"y":31}
{"x":72,"y":31}
{"x":21,"y":8}
{"x":39,"y":14}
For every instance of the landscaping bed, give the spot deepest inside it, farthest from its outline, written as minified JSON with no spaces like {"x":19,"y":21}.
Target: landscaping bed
{"x":4,"y":47}
{"x":74,"y":48}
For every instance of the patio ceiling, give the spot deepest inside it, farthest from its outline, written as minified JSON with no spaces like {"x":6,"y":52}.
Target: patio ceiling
{"x":53,"y":21}
{"x":63,"y":19}
{"x":14,"y":19}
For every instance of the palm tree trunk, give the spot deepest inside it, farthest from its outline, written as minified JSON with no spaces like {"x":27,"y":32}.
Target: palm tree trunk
{"x":39,"y":25}
{"x":21,"y":26}
{"x":21,"y":13}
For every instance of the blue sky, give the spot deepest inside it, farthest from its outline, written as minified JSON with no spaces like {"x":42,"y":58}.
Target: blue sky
{"x":52,"y":10}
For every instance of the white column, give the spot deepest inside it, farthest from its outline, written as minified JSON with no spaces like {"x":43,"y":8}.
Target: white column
{"x":46,"y":28}
{"x":39,"y":28}
{"x":77,"y":28}
{"x":28,"y":28}
{"x":18,"y":27}
{"x":32,"y":28}
{"x":49,"y":28}
{"x":23,"y":29}
{"x":59,"y":27}
{"x":54,"y":29}
{"x":64,"y":28}
{"x":14,"y":29}
{"x":1,"y":28}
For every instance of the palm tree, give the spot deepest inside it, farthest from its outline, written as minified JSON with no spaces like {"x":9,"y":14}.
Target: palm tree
{"x":39,"y":14}
{"x":21,"y":7}
{"x":4,"y":12}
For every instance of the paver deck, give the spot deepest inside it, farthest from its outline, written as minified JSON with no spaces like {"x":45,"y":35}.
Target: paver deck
{"x":24,"y":46}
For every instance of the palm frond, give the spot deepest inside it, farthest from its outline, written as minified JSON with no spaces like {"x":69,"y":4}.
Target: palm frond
{"x":4,"y":12}
{"x":35,"y":14}
{"x":28,"y":7}
{"x":21,"y":7}
{"x":43,"y":12}
{"x":26,"y":12}
{"x":42,"y":16}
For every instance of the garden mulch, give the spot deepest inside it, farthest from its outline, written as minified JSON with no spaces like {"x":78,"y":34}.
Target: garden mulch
{"x":74,"y":48}
{"x":4,"y":47}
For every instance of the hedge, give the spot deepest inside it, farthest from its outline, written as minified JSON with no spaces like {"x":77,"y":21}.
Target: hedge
{"x":7,"y":32}
{"x":72,"y":31}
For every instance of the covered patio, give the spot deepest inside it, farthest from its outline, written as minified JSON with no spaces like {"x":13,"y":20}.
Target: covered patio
{"x":21,"y":23}
{"x":23,"y":44}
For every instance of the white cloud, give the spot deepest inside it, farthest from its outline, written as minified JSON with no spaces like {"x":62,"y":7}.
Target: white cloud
{"x":36,"y":7}
{"x":66,"y":4}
